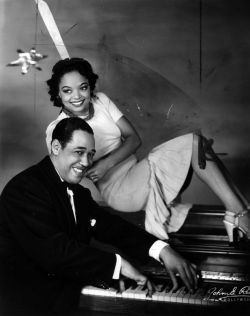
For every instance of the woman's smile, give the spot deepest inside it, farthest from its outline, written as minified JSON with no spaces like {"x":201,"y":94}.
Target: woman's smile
{"x":77,"y":103}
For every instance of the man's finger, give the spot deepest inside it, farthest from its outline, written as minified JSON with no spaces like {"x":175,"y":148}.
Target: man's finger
{"x":151,"y":288}
{"x":191,"y":271}
{"x":194,"y":266}
{"x":121,"y":285}
{"x":191,"y":277}
{"x":142,"y":281}
{"x":195,"y":275}
{"x":186,"y":280}
{"x":174,"y":280}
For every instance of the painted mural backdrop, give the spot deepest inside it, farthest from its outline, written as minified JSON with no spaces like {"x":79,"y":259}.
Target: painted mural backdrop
{"x":171,"y":66}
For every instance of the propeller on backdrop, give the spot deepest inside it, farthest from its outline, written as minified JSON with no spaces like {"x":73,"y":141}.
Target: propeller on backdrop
{"x":52,"y":28}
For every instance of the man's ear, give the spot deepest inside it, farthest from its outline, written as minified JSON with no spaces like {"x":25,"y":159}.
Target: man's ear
{"x":55,"y":147}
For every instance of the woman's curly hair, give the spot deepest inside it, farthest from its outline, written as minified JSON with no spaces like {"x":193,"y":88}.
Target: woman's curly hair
{"x":65,"y":66}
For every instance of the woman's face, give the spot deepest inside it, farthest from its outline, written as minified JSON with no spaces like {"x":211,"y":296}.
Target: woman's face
{"x":74,"y":92}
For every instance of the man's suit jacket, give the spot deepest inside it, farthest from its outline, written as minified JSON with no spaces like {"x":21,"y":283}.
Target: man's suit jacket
{"x":45,"y":257}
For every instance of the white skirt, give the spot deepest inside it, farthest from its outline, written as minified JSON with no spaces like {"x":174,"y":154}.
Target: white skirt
{"x":152,"y":184}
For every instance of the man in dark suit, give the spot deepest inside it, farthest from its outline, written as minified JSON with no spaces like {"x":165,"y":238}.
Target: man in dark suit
{"x":47,"y":221}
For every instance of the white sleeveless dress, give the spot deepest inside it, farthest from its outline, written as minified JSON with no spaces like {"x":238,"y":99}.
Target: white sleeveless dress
{"x":152,"y":184}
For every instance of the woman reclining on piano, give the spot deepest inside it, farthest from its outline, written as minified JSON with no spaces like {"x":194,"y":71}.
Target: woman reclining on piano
{"x":153,"y":184}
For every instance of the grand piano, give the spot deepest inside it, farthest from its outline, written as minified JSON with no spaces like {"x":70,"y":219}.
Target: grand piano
{"x":224,"y":279}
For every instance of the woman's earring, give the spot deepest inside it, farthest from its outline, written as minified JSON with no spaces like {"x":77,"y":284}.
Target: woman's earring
{"x":58,"y":101}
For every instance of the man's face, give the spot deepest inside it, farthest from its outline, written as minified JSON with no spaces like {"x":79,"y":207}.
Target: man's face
{"x":72,"y":161}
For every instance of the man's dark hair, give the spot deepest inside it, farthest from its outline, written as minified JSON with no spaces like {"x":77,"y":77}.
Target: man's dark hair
{"x":65,"y":128}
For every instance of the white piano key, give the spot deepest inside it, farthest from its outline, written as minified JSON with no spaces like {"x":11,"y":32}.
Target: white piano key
{"x":183,"y":295}
{"x":174,"y":295}
{"x":129,"y":292}
{"x":166,"y":293}
{"x":92,"y":290}
{"x":140,"y":292}
{"x":197,"y":297}
{"x":158,"y":291}
{"x":186,"y":297}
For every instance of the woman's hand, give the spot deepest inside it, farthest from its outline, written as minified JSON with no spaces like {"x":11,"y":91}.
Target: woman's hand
{"x":98,"y":170}
{"x":130,"y":142}
{"x":176,"y":265}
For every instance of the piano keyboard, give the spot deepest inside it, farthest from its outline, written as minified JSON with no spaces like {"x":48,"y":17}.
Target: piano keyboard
{"x":163,"y":294}
{"x":210,"y":293}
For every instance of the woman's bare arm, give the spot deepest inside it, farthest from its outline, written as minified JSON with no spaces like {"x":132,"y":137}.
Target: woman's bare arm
{"x":130,"y":143}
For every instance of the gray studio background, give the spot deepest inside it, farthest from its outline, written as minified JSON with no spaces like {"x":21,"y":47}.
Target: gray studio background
{"x":172,"y":66}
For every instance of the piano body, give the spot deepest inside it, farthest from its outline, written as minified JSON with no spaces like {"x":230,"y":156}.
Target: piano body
{"x":224,"y":283}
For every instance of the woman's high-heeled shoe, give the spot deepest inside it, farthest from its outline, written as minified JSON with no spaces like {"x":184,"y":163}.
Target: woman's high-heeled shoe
{"x":233,"y":225}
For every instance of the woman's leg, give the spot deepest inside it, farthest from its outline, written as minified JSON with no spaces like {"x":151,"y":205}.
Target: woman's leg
{"x":215,"y":179}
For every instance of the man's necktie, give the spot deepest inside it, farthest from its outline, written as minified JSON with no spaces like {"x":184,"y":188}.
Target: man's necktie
{"x":69,"y":187}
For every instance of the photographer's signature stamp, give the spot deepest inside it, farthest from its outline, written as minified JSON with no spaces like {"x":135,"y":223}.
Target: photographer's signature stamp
{"x":236,"y":294}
